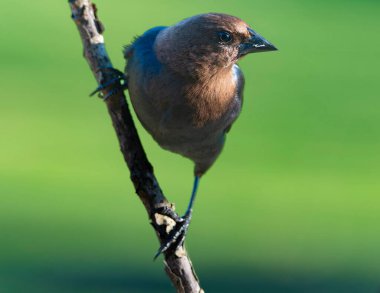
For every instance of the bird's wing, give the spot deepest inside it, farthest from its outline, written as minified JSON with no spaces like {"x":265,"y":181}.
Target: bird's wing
{"x":145,"y":41}
{"x":140,"y":50}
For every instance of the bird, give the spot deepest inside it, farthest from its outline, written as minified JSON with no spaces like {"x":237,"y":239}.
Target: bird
{"x":187,"y":90}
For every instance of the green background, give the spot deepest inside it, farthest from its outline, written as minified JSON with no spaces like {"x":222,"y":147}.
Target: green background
{"x":292,"y":204}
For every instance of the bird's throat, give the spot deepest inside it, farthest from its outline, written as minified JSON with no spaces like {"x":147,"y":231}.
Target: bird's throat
{"x":211,"y":96}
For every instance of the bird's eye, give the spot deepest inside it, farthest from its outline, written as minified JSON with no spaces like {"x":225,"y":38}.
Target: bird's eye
{"x":225,"y":37}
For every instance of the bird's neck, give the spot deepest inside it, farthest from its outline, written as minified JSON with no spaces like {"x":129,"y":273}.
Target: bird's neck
{"x":211,"y":97}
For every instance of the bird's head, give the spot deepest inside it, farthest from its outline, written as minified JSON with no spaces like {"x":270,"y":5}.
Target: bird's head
{"x":204,"y":44}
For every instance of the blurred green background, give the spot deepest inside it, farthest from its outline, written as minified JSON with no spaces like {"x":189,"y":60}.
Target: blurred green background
{"x":292,"y":205}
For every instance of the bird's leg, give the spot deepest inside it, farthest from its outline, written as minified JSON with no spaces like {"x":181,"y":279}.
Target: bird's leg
{"x":119,"y":83}
{"x":177,"y":235}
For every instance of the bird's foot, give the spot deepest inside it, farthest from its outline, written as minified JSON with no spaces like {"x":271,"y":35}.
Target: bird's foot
{"x":117,"y":83}
{"x":176,"y":237}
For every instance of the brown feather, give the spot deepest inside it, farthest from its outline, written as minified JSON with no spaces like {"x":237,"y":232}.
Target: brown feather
{"x":212,"y":97}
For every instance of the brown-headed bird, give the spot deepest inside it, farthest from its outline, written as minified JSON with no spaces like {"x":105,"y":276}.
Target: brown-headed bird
{"x":187,"y":90}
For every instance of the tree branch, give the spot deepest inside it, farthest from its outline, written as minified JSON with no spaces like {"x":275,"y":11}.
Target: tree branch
{"x":177,"y":263}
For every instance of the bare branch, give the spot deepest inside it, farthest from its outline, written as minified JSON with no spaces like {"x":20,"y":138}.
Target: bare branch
{"x":177,"y":263}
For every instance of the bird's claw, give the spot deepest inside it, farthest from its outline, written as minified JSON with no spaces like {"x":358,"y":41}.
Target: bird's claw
{"x":176,"y":237}
{"x":119,"y":82}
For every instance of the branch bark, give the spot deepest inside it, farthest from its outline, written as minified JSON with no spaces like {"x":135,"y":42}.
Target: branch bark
{"x":178,"y":265}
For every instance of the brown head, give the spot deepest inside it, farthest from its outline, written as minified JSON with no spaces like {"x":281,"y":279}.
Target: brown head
{"x":202,"y":45}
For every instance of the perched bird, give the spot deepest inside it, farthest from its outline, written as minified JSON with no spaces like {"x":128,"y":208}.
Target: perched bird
{"x":187,"y":90}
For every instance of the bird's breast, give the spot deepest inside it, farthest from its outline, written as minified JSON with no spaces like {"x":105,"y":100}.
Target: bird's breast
{"x":211,"y":99}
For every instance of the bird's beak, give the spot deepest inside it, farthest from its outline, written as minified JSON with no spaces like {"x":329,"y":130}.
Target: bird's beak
{"x":255,"y":44}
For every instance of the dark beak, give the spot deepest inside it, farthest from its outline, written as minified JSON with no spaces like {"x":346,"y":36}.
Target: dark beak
{"x":255,"y":44}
